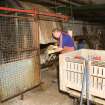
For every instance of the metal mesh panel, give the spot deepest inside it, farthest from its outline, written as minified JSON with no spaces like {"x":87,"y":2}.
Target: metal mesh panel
{"x":15,"y":39}
{"x":19,"y":64}
{"x":16,"y":77}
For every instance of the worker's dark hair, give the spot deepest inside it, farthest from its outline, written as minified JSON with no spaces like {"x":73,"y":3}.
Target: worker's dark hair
{"x":54,"y":30}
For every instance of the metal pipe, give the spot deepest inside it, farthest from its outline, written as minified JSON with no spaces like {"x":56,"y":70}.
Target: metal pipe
{"x":87,"y":83}
{"x":13,"y":16}
{"x":54,"y":15}
{"x":35,"y":12}
{"x":83,"y":85}
{"x":17,"y":10}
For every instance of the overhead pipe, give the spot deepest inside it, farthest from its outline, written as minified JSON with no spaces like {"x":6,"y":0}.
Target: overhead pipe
{"x":16,"y":10}
{"x":35,"y":12}
{"x":53,"y":15}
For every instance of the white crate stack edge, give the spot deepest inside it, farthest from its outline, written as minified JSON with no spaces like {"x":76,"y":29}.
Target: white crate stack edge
{"x":71,"y":74}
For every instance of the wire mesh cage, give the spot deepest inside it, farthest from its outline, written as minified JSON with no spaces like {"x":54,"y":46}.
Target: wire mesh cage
{"x":15,"y":39}
{"x":19,"y":49}
{"x":19,"y":55}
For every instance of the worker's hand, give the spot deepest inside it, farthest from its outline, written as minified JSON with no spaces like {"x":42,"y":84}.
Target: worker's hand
{"x":58,"y":49}
{"x":55,"y":50}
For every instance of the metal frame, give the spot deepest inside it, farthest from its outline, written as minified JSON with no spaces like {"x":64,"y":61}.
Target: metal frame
{"x":35,"y":48}
{"x":21,"y":94}
{"x":33,"y":14}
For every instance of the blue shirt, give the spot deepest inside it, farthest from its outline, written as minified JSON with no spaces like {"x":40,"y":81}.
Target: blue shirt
{"x":67,"y":40}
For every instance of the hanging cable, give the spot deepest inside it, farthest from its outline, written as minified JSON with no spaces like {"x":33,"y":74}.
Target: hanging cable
{"x":55,"y":7}
{"x":72,"y":15}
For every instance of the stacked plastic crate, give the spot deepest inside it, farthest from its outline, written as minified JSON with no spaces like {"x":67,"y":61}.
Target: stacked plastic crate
{"x":72,"y":67}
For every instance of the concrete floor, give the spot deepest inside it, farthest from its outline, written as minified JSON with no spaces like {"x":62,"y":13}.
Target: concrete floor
{"x":46,"y":94}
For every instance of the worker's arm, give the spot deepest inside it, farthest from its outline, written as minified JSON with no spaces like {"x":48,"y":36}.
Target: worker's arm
{"x":58,"y":49}
{"x":54,"y":49}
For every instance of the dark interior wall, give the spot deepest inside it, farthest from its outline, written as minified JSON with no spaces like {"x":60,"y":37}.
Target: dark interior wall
{"x":93,"y":33}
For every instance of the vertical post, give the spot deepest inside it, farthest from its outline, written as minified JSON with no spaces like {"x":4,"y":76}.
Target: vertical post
{"x":87,"y":82}
{"x":16,"y":30}
{"x":83,"y":84}
{"x":36,"y":45}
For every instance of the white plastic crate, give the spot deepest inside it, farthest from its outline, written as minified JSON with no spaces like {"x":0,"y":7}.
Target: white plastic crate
{"x":97,"y":77}
{"x":71,"y":73}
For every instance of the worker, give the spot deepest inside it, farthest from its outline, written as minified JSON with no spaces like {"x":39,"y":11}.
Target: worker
{"x":65,"y":44}
{"x":65,"y":41}
{"x":82,"y":44}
